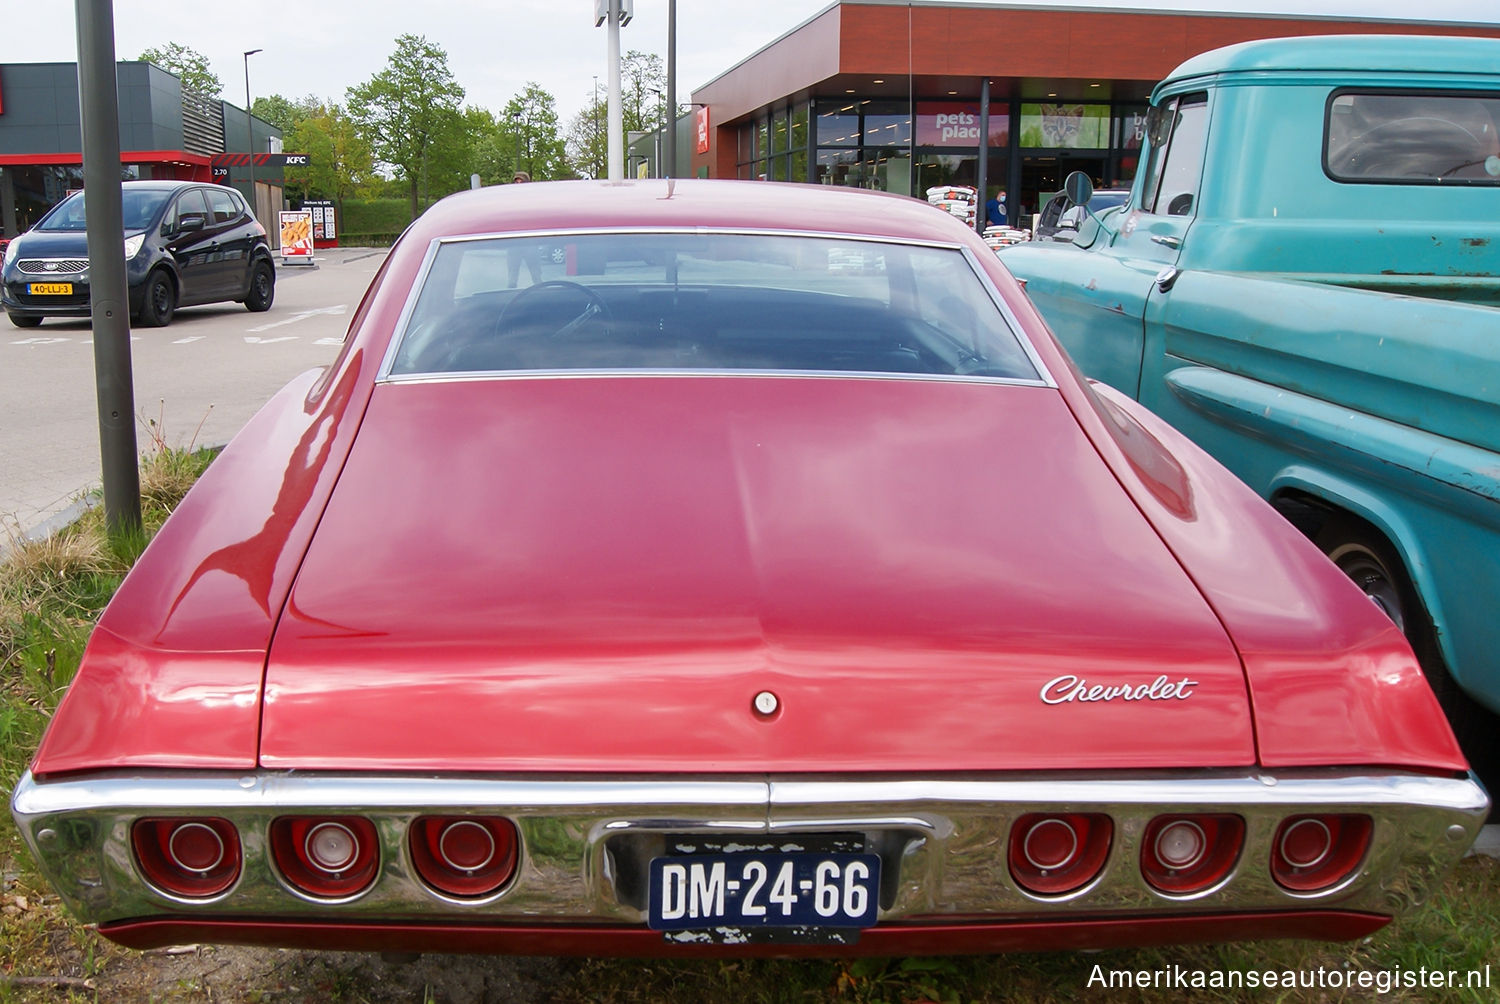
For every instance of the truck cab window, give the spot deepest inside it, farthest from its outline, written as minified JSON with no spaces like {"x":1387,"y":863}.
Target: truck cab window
{"x":1177,"y":164}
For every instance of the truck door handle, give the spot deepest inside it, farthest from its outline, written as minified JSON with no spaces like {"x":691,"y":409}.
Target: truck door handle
{"x":1168,"y":241}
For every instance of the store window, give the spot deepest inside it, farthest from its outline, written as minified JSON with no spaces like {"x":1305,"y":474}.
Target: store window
{"x":799,"y":130}
{"x":956,"y":124}
{"x":838,"y":167}
{"x":779,"y":132}
{"x":1065,"y":126}
{"x":838,"y":124}
{"x":934,"y":169}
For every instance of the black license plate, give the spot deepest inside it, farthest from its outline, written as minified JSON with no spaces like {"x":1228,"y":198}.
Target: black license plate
{"x":764,"y":889}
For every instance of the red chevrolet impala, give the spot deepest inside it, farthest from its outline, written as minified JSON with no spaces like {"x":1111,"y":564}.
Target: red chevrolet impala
{"x":715,"y":567}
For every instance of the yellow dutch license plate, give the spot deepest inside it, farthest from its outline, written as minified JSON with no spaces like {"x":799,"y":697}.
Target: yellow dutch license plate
{"x":50,"y":288}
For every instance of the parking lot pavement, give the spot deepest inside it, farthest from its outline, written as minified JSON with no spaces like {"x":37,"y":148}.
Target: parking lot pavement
{"x":198,"y":380}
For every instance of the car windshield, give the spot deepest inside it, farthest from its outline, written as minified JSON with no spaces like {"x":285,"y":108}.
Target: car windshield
{"x":139,"y":207}
{"x":706,"y":301}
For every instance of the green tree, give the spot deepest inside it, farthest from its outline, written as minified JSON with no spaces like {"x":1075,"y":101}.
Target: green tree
{"x":340,"y":161}
{"x":493,"y":148}
{"x":408,"y":111}
{"x":530,"y":122}
{"x":643,"y":89}
{"x":190,"y":66}
{"x":284,"y":113}
{"x":586,"y":141}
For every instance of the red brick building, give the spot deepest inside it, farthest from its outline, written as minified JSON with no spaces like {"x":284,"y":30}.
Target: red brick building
{"x":893,"y":95}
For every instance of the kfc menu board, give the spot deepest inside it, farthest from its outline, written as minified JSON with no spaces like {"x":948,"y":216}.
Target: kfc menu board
{"x":324,"y":223}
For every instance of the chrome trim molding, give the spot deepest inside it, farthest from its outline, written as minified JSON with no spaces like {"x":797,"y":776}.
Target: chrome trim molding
{"x":584,"y":838}
{"x":480,"y":376}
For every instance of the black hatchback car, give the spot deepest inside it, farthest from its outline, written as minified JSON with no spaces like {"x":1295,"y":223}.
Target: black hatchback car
{"x":185,"y":243}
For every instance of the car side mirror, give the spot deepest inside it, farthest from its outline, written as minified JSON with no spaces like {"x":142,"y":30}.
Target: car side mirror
{"x":1079,"y":188}
{"x":189,"y":222}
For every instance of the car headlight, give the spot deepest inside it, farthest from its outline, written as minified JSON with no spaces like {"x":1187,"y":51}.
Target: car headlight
{"x":133,"y":245}
{"x":12,"y":250}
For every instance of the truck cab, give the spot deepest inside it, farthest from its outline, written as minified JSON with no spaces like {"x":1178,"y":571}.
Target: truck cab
{"x":1306,"y":281}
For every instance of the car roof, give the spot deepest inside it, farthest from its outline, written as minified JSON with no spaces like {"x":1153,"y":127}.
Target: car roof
{"x":165,"y":184}
{"x":689,"y":203}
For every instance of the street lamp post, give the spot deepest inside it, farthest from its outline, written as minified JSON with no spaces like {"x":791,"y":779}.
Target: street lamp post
{"x":515,"y":121}
{"x":250,"y":135}
{"x":594,"y":160}
{"x":617,"y":14}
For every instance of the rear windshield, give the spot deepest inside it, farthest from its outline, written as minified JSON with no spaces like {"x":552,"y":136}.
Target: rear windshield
{"x":706,"y":302}
{"x":139,"y":207}
{"x":1424,"y":138}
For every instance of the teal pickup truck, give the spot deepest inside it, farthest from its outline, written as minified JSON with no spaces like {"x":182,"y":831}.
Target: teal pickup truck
{"x":1306,"y":281}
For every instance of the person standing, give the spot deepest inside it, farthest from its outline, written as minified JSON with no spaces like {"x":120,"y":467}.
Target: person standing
{"x":994,"y":210}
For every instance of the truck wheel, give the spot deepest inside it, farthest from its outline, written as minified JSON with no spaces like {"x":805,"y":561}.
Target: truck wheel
{"x":262,"y":288}
{"x":159,"y":302}
{"x":24,"y":322}
{"x":1369,"y":559}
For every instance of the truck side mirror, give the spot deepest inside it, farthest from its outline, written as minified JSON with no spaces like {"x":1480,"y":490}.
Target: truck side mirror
{"x":1078,"y":188}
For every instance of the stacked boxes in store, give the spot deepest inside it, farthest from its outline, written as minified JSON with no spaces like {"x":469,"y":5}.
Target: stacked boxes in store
{"x":960,"y":200}
{"x":998,"y":236}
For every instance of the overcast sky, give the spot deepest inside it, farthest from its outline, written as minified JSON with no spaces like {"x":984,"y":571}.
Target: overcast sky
{"x":495,"y":47}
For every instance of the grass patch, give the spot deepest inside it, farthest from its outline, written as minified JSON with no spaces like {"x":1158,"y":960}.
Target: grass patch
{"x":51,"y":593}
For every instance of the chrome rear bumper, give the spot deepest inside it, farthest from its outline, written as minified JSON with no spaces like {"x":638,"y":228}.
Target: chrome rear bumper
{"x":586,"y":840}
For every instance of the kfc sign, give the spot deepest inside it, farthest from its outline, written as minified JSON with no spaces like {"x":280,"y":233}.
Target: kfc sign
{"x":703,"y":129}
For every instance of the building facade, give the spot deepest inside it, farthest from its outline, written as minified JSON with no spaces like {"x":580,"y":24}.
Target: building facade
{"x":904,"y":96}
{"x":165,"y":132}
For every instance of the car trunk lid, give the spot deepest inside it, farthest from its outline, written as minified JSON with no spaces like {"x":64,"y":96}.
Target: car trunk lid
{"x":609,"y":574}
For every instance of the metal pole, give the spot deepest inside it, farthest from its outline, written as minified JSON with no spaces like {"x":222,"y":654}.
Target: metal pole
{"x":109,"y":303}
{"x":594,"y":154}
{"x":250,"y":136}
{"x":616,"y":121}
{"x":982,"y":218}
{"x":669,"y":158}
{"x":515,"y":121}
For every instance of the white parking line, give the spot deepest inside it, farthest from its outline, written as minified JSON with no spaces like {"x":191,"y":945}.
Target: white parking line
{"x":257,"y":340}
{"x":301,"y":315}
{"x":41,"y":341}
{"x":189,"y":339}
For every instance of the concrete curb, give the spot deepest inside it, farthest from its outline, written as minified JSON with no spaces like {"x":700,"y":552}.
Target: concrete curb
{"x":1488,"y":843}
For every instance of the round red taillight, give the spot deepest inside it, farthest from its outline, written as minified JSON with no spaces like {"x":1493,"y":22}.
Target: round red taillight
{"x":1052,"y":854}
{"x":329,"y":857}
{"x":1316,"y":852}
{"x":193,"y":858}
{"x":1181,"y":855}
{"x":465,"y":856}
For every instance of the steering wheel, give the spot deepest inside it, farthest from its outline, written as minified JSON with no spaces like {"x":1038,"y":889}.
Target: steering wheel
{"x":514,"y":318}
